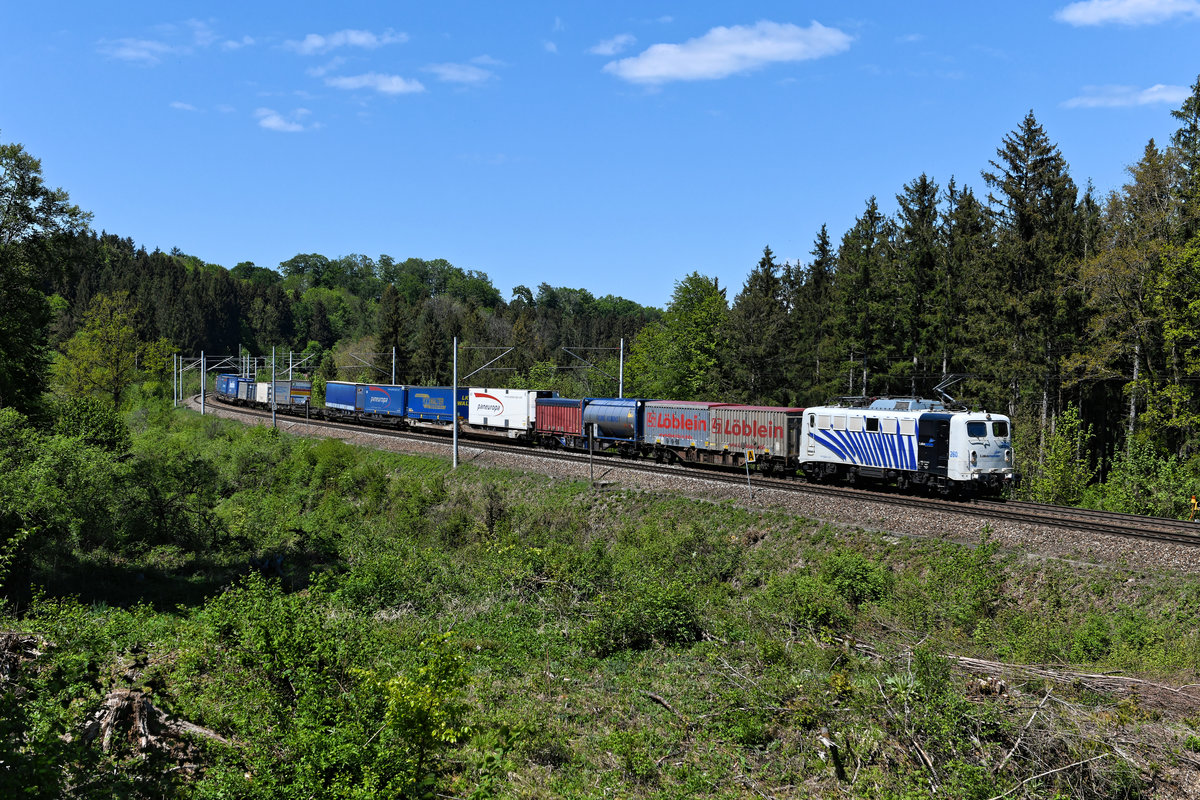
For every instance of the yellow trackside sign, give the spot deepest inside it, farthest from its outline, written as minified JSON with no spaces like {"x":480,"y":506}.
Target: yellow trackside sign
{"x":750,"y":456}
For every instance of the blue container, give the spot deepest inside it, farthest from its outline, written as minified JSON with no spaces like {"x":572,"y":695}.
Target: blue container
{"x":227,"y":385}
{"x":433,"y":403}
{"x":615,"y":419}
{"x":384,"y":400}
{"x":342,"y":396}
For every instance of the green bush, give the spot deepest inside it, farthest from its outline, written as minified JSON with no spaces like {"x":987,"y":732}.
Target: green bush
{"x":855,"y":577}
{"x":808,"y":603}
{"x":1092,"y":639}
{"x":636,"y":617}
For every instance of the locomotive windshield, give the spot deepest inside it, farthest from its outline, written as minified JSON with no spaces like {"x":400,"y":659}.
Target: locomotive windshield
{"x":976,"y":429}
{"x":1000,"y":429}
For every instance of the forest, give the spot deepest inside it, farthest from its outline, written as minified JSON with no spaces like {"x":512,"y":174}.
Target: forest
{"x":1074,"y":313}
{"x":190,"y":607}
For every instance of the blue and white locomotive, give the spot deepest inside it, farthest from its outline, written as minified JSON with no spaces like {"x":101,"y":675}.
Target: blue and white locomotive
{"x":910,"y":442}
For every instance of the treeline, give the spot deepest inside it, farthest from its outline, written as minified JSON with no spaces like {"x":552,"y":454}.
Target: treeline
{"x":1036,"y":295}
{"x":1043,"y":295}
{"x":314,"y":303}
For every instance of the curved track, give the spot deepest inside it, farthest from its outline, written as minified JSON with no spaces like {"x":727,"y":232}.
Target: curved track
{"x":1130,"y":526}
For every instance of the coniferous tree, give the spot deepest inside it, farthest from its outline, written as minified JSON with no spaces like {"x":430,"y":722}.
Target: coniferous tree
{"x":858,"y":293}
{"x":1186,"y":141}
{"x":808,"y":292}
{"x":964,"y":317}
{"x":319,"y":329}
{"x":1034,"y":210}
{"x":1120,"y":281}
{"x":30,"y":214}
{"x":391,"y":335}
{"x":918,"y":254}
{"x":754,"y":336}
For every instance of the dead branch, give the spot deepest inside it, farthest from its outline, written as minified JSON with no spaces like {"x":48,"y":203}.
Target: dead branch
{"x":1024,"y":730}
{"x":1050,"y":772}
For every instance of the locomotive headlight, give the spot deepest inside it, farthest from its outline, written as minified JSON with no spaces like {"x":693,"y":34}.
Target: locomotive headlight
{"x":974,"y":459}
{"x":1008,"y":456}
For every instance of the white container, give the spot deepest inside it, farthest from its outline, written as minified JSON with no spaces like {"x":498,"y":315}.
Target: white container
{"x":511,"y":410}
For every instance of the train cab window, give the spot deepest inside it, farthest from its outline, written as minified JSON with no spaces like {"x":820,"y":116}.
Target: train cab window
{"x":1000,"y":429}
{"x":856,"y":424}
{"x":812,"y":420}
{"x":976,"y":429}
{"x":872,"y":424}
{"x":889,"y":425}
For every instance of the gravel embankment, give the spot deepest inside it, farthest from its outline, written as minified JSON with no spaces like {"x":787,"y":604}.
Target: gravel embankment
{"x":1036,"y":540}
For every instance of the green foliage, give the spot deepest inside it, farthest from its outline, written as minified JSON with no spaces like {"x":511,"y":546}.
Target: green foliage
{"x":1065,"y":470}
{"x":958,"y":586}
{"x":638,"y":616}
{"x":808,"y":603}
{"x":854,"y":577}
{"x":297,"y":679}
{"x":1141,"y":480}
{"x":678,"y":358}
{"x":102,"y":356}
{"x":94,"y":421}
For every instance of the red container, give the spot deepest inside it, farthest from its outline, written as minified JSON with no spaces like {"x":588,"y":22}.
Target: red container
{"x":559,"y":416}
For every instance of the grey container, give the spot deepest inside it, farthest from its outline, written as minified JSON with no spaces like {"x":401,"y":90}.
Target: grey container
{"x":679,"y":423}
{"x":763,"y":429}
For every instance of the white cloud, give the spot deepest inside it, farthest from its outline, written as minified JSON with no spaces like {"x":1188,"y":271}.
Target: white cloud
{"x":326,"y":68}
{"x":487,"y":61}
{"x":550,"y":47}
{"x":172,"y":43}
{"x":272,"y":120}
{"x":461,"y":73}
{"x":315,"y":43}
{"x":1127,"y":12}
{"x":386,"y":84}
{"x":202,"y":33}
{"x":1124,"y":96}
{"x":146,"y":51}
{"x":183,"y":106}
{"x":728,"y":51}
{"x":610,"y":47}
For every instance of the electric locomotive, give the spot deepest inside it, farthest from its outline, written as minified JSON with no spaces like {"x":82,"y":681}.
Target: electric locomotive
{"x":909,"y":442}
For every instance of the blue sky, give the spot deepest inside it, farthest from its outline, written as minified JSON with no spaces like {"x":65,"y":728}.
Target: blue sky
{"x":611,"y":146}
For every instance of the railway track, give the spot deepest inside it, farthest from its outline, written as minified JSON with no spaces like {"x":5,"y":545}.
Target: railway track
{"x":1128,"y":526}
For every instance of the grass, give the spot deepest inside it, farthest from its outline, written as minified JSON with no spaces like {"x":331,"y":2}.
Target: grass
{"x":608,"y":644}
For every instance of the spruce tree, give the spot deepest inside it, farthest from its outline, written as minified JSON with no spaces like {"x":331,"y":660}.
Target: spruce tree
{"x":392,"y":334}
{"x":754,"y":341}
{"x":918,"y":254}
{"x":1186,"y":141}
{"x":1033,"y":206}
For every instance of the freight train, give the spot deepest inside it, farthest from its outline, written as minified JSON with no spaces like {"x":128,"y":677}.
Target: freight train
{"x":906,"y":442}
